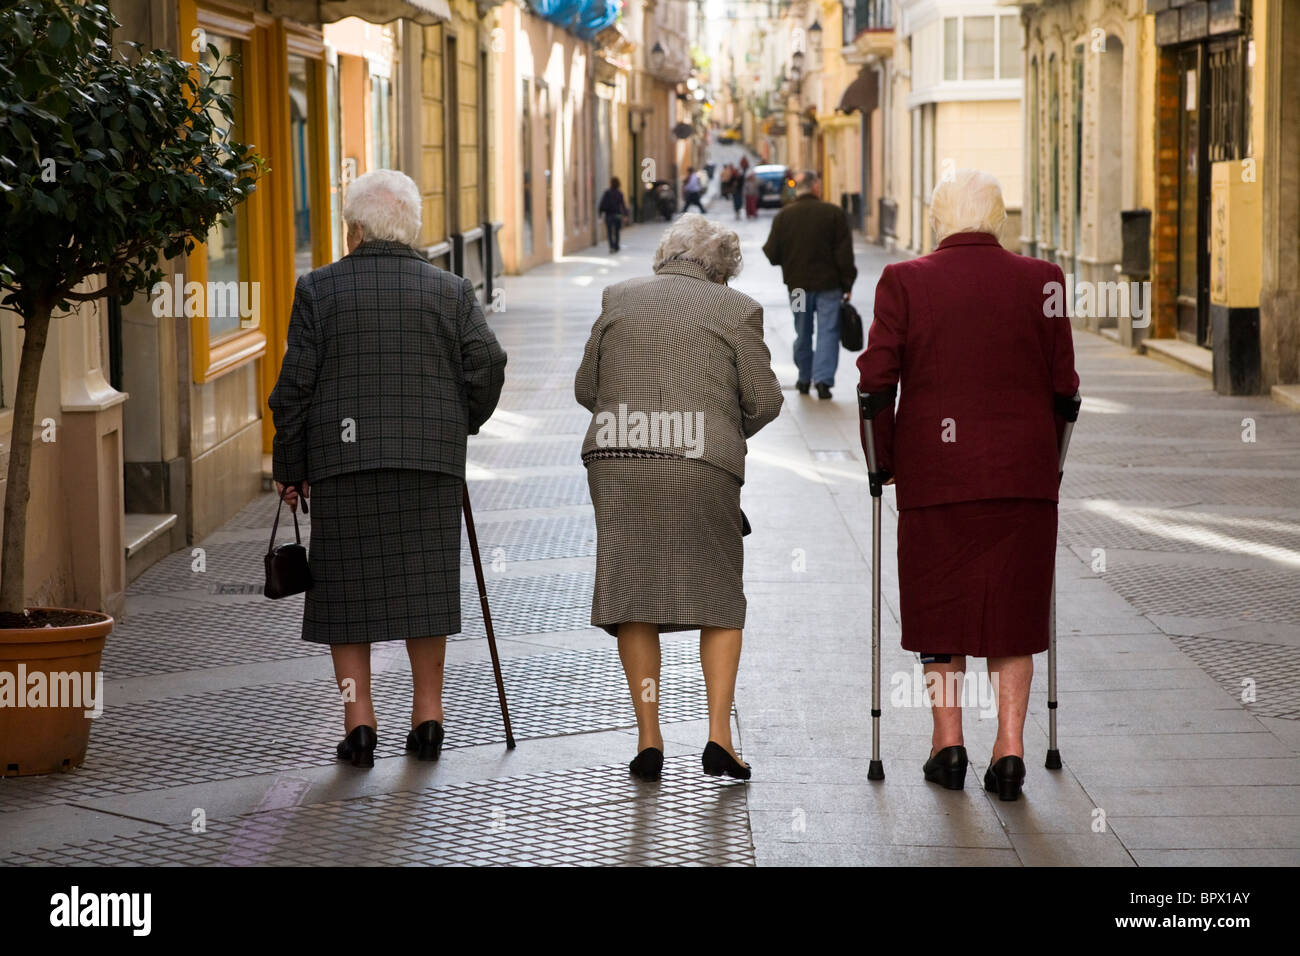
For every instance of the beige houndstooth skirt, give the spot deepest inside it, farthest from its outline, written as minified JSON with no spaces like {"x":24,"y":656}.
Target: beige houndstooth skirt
{"x":668,"y":544}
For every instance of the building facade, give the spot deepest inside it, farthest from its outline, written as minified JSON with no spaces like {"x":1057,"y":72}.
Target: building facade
{"x":955,"y":103}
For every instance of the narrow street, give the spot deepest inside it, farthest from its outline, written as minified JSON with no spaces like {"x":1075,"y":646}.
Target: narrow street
{"x":1179,"y":594}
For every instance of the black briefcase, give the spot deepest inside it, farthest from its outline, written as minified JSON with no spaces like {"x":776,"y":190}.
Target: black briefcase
{"x":286,"y":566}
{"x":850,"y":327}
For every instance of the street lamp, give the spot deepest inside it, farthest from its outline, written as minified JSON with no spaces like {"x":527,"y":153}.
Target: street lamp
{"x":657,"y":54}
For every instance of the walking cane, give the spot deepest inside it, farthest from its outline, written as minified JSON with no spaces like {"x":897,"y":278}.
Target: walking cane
{"x":1067,"y":408}
{"x":871,"y":404}
{"x":487,"y":618}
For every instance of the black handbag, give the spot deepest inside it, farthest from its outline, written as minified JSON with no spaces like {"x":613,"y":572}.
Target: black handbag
{"x":286,"y":566}
{"x":850,"y":327}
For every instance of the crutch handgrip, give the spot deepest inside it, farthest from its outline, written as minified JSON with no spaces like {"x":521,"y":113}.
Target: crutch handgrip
{"x":1067,"y":406}
{"x":871,"y":404}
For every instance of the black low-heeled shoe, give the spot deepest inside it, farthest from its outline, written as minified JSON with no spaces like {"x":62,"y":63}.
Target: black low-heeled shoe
{"x":1005,"y":777}
{"x":948,"y":767}
{"x":717,"y":761}
{"x":648,"y":764}
{"x":426,"y":740}
{"x":358,"y":747}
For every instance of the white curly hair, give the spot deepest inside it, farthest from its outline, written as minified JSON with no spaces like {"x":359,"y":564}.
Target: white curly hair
{"x":969,"y":200}
{"x":710,"y":245}
{"x":385,"y":203}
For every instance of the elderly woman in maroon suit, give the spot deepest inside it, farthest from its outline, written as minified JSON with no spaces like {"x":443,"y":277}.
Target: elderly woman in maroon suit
{"x":969,"y":332}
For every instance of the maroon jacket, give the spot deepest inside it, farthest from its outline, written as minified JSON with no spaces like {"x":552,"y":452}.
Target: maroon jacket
{"x":967,"y":332}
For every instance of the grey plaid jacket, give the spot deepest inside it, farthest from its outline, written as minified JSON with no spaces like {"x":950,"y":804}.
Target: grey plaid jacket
{"x":677,"y":344}
{"x":398,"y":348}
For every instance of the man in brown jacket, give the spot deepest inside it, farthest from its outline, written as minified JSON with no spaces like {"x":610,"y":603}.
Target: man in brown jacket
{"x":811,"y":242}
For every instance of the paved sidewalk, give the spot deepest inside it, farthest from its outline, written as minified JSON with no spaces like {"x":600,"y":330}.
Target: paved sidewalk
{"x":216,"y":745}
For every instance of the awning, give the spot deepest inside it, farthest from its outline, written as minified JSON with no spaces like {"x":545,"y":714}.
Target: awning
{"x":424,"y":12}
{"x":863,"y":94}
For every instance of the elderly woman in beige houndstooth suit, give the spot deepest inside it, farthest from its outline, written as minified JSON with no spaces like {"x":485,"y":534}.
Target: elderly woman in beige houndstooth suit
{"x":676,"y":376}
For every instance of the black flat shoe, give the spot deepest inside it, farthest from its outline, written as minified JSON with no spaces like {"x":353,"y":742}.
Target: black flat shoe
{"x":802,"y":387}
{"x":358,"y":747}
{"x":948,"y":767}
{"x":823,"y":390}
{"x":426,"y":740}
{"x":1005,"y":777}
{"x":647,"y":764}
{"x":717,"y":761}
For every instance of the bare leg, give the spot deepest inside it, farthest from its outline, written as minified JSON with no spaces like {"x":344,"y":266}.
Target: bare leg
{"x":720,"y":659}
{"x":1011,"y":677}
{"x":352,"y":674}
{"x":638,"y":649}
{"x":427,"y":656}
{"x":945,"y":702}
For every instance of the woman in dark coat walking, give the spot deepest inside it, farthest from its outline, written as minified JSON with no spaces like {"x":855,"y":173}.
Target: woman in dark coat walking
{"x":677,"y":377}
{"x":390,"y":364}
{"x":613,"y":209}
{"x":971,"y":332}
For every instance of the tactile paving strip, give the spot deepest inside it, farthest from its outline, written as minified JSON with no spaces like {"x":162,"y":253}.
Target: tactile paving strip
{"x":212,"y":632}
{"x":1263,"y":595}
{"x":598,"y":816}
{"x":224,"y":564}
{"x":1104,"y":482}
{"x":193,"y":637}
{"x":501,"y":543}
{"x":526,"y":454}
{"x":545,"y":491}
{"x":272,"y":728}
{"x":1154,"y":529}
{"x":1272,"y":669}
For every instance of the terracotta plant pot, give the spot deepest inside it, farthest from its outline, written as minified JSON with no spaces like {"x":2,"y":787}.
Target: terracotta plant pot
{"x":44,"y":738}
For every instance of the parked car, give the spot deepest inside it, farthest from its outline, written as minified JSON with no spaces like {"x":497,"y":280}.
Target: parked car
{"x":775,"y":184}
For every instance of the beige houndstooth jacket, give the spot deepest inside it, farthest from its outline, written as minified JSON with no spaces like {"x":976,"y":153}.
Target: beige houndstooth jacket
{"x":679,"y":350}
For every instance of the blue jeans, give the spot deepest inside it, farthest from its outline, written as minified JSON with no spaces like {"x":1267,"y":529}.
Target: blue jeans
{"x":818,"y":365}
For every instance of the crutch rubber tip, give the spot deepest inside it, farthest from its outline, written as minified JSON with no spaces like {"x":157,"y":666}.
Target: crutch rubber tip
{"x":510,"y":743}
{"x":1053,"y":760}
{"x":876,"y":770}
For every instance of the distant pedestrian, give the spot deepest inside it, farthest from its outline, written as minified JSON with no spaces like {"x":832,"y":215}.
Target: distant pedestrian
{"x":613,"y":209}
{"x":750,"y":191}
{"x":737,"y":189}
{"x":811,"y":242}
{"x":691,"y":190}
{"x":390,"y":364}
{"x":677,"y":377}
{"x":969,"y":333}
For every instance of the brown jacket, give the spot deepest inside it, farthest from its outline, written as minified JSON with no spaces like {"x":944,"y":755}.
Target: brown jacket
{"x":811,"y":242}
{"x":687,"y":354}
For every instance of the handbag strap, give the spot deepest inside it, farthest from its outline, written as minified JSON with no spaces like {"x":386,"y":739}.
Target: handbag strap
{"x":275,"y":526}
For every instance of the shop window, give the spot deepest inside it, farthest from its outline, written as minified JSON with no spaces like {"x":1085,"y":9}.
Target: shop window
{"x":228,"y":241}
{"x":301,"y":120}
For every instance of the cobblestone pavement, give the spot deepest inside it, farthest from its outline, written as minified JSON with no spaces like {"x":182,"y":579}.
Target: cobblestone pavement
{"x":1179,"y":579}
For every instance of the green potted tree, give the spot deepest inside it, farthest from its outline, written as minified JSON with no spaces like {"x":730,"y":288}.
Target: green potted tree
{"x":111,"y":162}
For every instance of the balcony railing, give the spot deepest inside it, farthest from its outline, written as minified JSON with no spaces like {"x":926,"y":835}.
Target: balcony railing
{"x":867,"y":15}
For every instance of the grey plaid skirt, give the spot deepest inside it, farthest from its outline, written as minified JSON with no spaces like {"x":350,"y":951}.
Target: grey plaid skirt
{"x":384,"y":557}
{"x":668,"y":544}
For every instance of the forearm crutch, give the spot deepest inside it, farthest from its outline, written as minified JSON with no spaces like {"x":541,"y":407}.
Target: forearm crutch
{"x":487,"y":618}
{"x":871,"y":404}
{"x":1067,"y":408}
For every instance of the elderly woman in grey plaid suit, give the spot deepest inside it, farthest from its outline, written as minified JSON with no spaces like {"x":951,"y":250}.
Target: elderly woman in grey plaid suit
{"x":677,"y":377}
{"x":390,"y":364}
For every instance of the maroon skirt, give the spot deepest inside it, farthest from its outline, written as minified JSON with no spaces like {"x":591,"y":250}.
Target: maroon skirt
{"x":975,"y":577}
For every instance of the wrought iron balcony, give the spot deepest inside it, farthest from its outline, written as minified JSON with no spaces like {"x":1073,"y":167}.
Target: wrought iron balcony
{"x":863,"y":15}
